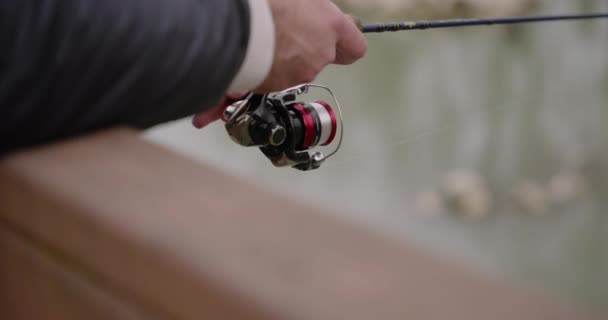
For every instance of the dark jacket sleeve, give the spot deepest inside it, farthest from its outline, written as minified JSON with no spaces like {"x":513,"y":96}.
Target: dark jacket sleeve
{"x":72,"y":66}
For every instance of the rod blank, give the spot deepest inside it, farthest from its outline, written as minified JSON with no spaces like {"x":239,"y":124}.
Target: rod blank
{"x":436,"y":24}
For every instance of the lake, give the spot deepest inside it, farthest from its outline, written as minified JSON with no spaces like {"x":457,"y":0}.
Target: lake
{"x":488,"y":144}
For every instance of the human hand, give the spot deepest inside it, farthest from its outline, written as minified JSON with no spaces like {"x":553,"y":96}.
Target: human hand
{"x":310,"y":34}
{"x":203,"y":119}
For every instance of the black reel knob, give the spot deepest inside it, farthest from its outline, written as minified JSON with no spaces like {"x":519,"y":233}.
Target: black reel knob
{"x":273,"y":134}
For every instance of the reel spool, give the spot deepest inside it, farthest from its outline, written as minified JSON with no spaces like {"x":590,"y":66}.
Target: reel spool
{"x":285,"y":128}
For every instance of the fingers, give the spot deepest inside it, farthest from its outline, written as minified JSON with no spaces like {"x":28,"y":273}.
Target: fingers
{"x":356,"y":21}
{"x":236,"y":96}
{"x":352,"y":44}
{"x":203,"y":119}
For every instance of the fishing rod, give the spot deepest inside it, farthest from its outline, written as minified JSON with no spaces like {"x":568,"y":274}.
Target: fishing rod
{"x":437,"y":24}
{"x":286,"y":127}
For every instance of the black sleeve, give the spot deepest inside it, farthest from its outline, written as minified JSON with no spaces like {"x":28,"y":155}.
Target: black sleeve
{"x":72,"y":66}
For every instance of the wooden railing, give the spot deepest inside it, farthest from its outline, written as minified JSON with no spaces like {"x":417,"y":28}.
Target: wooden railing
{"x":112,"y":227}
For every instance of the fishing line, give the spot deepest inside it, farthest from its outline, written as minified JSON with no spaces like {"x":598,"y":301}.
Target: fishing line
{"x":441,"y":128}
{"x":354,"y":159}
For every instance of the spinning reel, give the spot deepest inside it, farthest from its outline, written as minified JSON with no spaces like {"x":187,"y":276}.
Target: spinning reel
{"x":285,"y":128}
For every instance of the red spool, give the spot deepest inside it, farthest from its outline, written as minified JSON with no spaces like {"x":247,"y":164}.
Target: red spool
{"x":309,"y":125}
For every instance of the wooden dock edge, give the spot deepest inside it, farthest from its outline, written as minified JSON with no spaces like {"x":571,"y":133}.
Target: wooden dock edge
{"x":110,"y":226}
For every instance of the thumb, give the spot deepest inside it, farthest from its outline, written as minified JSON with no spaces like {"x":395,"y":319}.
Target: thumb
{"x":352,"y":44}
{"x":356,"y":20}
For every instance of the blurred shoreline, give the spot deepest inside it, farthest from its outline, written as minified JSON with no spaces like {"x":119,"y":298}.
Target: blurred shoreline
{"x":437,"y":8}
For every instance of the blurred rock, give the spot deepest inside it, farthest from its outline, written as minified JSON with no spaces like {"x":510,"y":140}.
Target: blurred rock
{"x":441,"y":7}
{"x":468,"y":194}
{"x":498,"y":7}
{"x":531,"y":197}
{"x":566,"y":187}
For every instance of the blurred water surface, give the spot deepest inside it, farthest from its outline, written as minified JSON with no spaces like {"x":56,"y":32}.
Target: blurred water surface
{"x":518,"y":107}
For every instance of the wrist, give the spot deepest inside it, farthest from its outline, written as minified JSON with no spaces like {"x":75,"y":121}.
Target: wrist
{"x":260,"y":49}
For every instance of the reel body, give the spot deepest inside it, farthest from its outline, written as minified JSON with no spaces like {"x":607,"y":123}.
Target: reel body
{"x":286,"y":128}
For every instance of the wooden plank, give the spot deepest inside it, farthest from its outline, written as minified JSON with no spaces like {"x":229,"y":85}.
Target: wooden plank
{"x":35,"y":286}
{"x":181,"y":240}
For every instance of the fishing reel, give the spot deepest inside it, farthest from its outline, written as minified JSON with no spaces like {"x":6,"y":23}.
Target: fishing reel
{"x":285,"y":128}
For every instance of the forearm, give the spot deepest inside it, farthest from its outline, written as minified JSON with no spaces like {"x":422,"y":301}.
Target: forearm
{"x":70,"y":66}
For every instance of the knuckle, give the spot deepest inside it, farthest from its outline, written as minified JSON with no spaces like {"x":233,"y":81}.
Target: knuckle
{"x":338,"y":22}
{"x":336,"y":19}
{"x":309,"y":76}
{"x":329,"y":55}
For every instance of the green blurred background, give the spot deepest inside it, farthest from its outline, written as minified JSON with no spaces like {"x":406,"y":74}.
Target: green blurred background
{"x":488,"y":144}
